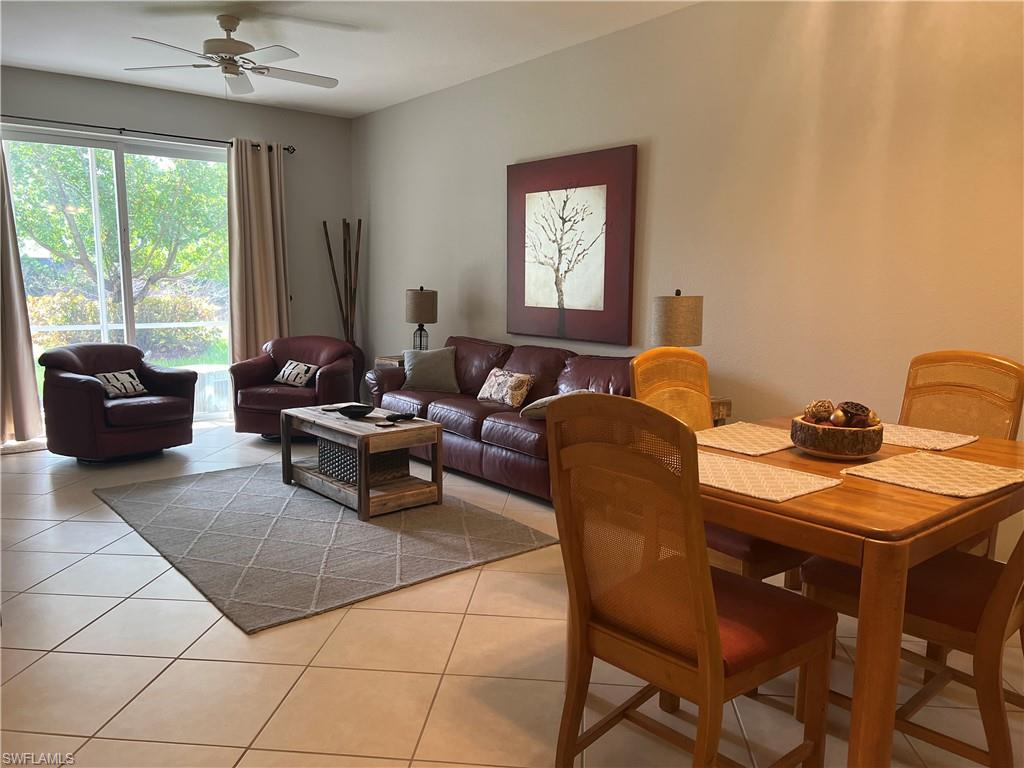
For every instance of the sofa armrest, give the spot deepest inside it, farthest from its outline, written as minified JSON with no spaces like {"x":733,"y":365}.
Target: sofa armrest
{"x":382,"y":380}
{"x":72,"y":398}
{"x":176,"y":382}
{"x":251,"y":373}
{"x":334,"y":382}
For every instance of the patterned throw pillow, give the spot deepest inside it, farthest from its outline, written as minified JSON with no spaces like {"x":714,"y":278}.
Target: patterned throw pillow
{"x":296,"y":373}
{"x":122,"y":384}
{"x":506,"y":387}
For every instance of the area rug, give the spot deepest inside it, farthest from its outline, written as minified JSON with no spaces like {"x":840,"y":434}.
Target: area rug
{"x":266,"y":553}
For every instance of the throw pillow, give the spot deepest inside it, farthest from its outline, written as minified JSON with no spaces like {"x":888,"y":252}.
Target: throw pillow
{"x":432,"y":370}
{"x":506,"y":387}
{"x":122,"y":384}
{"x":538,"y":409}
{"x":295,"y":373}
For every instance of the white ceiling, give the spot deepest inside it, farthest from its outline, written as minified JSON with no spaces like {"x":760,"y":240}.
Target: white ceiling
{"x":382,"y":52}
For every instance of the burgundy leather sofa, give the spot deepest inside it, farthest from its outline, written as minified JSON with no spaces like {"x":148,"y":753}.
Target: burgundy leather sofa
{"x":81,"y":421}
{"x":491,"y":440}
{"x":259,"y":400}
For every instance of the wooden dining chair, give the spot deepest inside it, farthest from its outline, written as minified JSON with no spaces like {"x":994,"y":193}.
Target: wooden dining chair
{"x":643,"y":597}
{"x":954,"y":600}
{"x":675,"y":380}
{"x":971,"y":393}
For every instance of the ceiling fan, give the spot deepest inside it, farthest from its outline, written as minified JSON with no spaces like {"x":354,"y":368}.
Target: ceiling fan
{"x":236,"y":59}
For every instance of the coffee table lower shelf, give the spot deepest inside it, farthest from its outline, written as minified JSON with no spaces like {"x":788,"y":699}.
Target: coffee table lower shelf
{"x":386,"y":497}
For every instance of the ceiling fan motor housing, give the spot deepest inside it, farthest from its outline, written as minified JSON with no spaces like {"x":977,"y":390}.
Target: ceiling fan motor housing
{"x":226,"y":46}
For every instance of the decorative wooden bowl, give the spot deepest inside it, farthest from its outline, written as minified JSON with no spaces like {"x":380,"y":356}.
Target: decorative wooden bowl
{"x":840,"y":443}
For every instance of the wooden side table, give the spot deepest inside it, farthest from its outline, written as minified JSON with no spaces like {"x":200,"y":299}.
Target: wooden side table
{"x":389,"y":361}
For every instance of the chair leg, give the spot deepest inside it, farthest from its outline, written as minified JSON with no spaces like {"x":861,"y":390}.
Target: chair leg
{"x":988,"y":682}
{"x":668,"y":702}
{"x":578,"y":667}
{"x":812,"y":702}
{"x":937,"y":653}
{"x":709,"y":730}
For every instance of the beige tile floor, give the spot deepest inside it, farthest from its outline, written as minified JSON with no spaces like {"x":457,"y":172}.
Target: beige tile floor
{"x":110,"y":654}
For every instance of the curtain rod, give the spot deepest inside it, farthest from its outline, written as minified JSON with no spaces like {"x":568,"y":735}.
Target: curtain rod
{"x":121,"y":131}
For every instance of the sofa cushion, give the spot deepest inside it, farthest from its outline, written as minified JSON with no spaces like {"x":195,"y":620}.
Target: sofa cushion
{"x":318,"y":350}
{"x":463,"y":414}
{"x":595,"y":373}
{"x":407,"y":401}
{"x":543,"y":363}
{"x":146,"y":409}
{"x":474,"y":359}
{"x":512,"y":431}
{"x":275,"y":397}
{"x":432,"y":370}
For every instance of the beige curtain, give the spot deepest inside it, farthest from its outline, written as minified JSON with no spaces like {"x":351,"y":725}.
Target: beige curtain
{"x":19,"y":398}
{"x":259,"y":280}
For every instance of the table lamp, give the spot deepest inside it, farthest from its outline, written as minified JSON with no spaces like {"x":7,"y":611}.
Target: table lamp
{"x":678,"y":320}
{"x":420,"y":308}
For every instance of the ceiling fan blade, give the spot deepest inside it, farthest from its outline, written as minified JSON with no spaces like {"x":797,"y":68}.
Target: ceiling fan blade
{"x":172,"y":66}
{"x":271,"y":53}
{"x":168,"y":45}
{"x":296,"y":77}
{"x":239,"y":84}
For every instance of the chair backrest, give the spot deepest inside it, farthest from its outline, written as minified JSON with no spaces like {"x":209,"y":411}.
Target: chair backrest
{"x":674,"y":380}
{"x":967,"y":392}
{"x":89,"y":358}
{"x":627,"y":502}
{"x":315,"y":350}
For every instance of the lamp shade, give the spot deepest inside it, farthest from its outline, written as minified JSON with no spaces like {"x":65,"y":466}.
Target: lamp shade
{"x":678,"y":321}
{"x":420,"y":305}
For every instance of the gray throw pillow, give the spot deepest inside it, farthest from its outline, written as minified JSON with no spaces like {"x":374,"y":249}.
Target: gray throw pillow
{"x":538,"y":409}
{"x":432,"y":370}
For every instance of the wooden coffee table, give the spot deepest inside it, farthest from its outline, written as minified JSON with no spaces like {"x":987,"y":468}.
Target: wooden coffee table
{"x":362,"y":465}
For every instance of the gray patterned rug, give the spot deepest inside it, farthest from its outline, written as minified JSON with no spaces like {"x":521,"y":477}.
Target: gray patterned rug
{"x":265,"y":553}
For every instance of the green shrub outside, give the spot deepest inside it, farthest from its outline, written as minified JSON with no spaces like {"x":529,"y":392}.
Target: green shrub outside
{"x":73,"y":308}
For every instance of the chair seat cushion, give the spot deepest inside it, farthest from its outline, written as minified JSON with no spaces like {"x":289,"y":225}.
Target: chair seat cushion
{"x":951,"y":588}
{"x":407,"y":401}
{"x":749,"y":549}
{"x":757,"y":621}
{"x":275,"y":397}
{"x":463,"y":414}
{"x":512,"y":431}
{"x":146,"y":409}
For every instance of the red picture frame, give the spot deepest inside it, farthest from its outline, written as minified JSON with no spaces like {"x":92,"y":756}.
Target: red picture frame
{"x":554,"y":210}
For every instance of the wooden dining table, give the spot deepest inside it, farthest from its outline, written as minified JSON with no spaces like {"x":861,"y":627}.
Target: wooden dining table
{"x":884,"y":529}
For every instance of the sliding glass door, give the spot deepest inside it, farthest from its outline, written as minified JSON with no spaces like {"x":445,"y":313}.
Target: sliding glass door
{"x":126,"y":242}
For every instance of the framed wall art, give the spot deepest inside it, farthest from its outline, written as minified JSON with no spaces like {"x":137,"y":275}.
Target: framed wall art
{"x":570,"y":246}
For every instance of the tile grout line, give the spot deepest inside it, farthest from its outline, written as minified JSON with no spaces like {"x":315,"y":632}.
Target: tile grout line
{"x":47,"y":652}
{"x":291,"y":688}
{"x":444,"y":671}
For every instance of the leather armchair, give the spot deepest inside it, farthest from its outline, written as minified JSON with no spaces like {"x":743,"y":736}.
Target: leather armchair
{"x":259,"y":400}
{"x":81,"y":421}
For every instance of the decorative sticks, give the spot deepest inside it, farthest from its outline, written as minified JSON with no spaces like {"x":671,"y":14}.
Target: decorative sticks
{"x":350,"y":274}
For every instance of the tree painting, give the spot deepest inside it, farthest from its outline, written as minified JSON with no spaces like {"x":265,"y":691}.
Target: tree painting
{"x":565,"y":244}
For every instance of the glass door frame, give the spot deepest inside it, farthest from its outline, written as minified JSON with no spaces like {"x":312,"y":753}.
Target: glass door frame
{"x":119,"y":146}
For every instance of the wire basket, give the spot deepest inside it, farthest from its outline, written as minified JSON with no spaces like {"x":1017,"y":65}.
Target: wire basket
{"x":342,"y":463}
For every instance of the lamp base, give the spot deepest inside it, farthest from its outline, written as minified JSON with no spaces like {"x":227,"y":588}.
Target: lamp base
{"x":420,"y":338}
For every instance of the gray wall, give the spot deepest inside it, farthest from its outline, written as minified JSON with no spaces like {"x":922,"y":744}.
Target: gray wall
{"x":841,"y":181}
{"x":317,"y":181}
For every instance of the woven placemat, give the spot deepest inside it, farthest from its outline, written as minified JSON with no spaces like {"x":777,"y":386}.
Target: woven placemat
{"x":748,"y":439}
{"x":925,"y":439}
{"x":939,"y":474}
{"x":762,"y":481}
